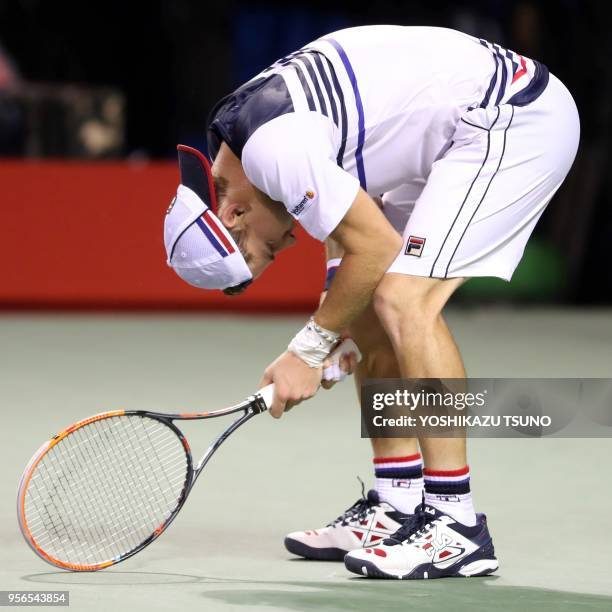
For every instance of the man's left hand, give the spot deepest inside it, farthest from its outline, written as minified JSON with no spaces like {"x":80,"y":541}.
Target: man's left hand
{"x":294,"y":381}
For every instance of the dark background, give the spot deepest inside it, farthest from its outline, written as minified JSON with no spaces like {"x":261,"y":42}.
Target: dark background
{"x":174,"y":59}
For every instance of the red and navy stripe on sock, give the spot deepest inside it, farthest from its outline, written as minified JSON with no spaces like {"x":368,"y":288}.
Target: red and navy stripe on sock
{"x":399,"y":468}
{"x":447,"y":482}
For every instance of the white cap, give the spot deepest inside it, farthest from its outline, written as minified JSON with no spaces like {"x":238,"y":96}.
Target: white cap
{"x":199,"y":248}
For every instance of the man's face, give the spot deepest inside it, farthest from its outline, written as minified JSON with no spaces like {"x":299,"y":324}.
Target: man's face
{"x":261,"y":230}
{"x":261,"y":227}
{"x":266,"y":235}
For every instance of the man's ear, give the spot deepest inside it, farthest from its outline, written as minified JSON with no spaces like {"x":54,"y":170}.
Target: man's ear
{"x":232,"y":214}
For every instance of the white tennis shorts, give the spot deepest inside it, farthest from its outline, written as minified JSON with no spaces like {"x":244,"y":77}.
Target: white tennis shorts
{"x":476,"y":211}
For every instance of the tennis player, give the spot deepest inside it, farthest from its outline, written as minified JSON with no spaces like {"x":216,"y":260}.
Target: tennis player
{"x":422,"y":157}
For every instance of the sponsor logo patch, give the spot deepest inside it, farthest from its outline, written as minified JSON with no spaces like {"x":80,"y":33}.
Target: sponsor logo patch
{"x":309,"y":195}
{"x":414,"y":246}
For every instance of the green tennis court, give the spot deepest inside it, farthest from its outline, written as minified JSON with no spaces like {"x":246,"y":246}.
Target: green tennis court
{"x":549,"y":501}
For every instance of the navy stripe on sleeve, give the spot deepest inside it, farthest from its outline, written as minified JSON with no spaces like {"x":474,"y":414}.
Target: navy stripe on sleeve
{"x":327,"y":85}
{"x":360,"y":115}
{"x":307,"y":91}
{"x":343,"y":114}
{"x":315,"y":81}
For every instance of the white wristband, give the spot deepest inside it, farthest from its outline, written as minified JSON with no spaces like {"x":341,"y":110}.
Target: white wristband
{"x":312,"y":344}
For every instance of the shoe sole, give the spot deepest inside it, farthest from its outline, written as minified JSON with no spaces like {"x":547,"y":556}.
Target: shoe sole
{"x":314,"y":554}
{"x":483,"y":567}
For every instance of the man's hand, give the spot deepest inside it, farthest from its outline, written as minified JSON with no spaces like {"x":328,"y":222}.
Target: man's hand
{"x":294,"y":381}
{"x":341,"y":363}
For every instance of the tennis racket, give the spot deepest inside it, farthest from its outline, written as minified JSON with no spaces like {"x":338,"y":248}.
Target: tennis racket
{"x":106,"y":487}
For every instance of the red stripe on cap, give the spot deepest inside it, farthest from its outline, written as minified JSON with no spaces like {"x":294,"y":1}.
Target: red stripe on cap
{"x":379,"y":460}
{"x":211,"y":221}
{"x":464,"y":471}
{"x":416,"y":240}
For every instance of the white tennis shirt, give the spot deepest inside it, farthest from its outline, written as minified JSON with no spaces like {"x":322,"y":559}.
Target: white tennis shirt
{"x":372,"y":106}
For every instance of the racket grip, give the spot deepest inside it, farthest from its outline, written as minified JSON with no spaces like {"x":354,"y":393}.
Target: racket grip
{"x":267,"y":394}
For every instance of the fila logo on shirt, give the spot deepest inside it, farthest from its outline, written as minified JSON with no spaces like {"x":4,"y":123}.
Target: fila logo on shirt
{"x":414,"y":246}
{"x":309,"y":195}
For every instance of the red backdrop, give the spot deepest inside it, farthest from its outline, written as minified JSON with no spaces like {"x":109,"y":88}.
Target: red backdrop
{"x":89,"y":235}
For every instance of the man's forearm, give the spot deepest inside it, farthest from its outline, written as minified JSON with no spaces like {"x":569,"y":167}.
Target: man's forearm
{"x":368,"y":245}
{"x":352,"y":289}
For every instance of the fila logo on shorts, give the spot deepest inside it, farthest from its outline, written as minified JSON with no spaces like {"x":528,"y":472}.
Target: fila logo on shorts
{"x":414,"y":246}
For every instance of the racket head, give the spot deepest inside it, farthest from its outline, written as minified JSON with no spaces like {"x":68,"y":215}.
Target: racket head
{"x":103,"y":489}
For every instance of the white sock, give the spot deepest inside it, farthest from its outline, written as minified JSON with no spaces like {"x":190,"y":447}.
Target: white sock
{"x":399,"y":481}
{"x":449,"y":492}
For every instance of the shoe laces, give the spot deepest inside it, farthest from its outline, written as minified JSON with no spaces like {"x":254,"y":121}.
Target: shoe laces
{"x":416,"y":525}
{"x":358,"y":511}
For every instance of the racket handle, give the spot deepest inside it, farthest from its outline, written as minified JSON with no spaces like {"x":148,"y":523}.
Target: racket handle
{"x":267,"y":394}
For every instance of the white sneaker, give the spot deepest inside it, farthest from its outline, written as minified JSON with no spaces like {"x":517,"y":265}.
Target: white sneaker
{"x":367,"y":522}
{"x":429,"y":544}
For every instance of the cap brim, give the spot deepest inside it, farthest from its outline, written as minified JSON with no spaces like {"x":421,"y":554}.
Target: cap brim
{"x":196,"y":174}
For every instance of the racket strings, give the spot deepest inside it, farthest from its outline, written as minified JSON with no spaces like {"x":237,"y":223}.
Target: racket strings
{"x":101,"y":530}
{"x":104,"y":489}
{"x":66,"y":515}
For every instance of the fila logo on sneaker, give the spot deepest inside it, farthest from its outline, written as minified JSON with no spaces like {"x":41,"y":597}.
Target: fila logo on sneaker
{"x":440,"y":547}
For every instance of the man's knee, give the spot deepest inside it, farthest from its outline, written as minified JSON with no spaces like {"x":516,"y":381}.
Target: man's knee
{"x":411,"y":304}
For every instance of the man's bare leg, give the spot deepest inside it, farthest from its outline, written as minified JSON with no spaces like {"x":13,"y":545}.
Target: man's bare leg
{"x":379,"y":361}
{"x":410,"y":309}
{"x":398,"y":465}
